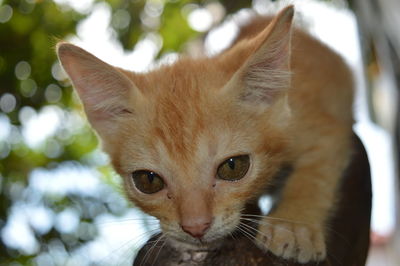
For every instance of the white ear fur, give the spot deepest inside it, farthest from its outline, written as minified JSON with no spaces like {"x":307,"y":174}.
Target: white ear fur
{"x":266,"y":73}
{"x":103,"y":89}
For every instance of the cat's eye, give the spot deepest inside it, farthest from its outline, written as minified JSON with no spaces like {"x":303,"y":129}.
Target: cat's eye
{"x":234,"y":168}
{"x":147,"y":181}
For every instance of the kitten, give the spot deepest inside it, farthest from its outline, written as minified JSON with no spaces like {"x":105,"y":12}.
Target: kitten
{"x":195,"y":140}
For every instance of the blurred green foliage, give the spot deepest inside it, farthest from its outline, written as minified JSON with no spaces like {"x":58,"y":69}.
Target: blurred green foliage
{"x":31,"y":81}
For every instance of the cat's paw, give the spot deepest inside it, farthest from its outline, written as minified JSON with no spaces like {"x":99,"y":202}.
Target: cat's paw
{"x":298,"y":242}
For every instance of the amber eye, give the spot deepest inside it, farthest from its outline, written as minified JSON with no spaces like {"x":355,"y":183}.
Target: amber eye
{"x":234,"y":168}
{"x":147,"y":181}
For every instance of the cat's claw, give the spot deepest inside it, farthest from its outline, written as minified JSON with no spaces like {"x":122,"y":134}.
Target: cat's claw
{"x":293,"y":241}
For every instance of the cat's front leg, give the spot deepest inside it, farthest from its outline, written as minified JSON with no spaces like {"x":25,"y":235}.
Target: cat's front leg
{"x":291,"y":240}
{"x":296,"y":228}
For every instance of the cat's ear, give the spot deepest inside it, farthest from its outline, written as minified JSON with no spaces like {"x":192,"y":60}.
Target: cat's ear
{"x":266,"y":72}
{"x":103,"y":89}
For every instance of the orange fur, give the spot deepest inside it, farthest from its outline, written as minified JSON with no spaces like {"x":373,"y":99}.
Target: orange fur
{"x":183,"y":120}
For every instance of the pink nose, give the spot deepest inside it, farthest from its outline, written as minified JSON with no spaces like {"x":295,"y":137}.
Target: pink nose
{"x":196,"y":230}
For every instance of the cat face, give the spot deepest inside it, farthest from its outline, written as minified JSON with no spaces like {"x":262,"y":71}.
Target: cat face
{"x":196,"y":140}
{"x":175,"y":151}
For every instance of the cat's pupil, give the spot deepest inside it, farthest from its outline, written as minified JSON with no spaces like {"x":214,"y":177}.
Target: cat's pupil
{"x":147,"y":181}
{"x":231,"y":163}
{"x":234,"y":168}
{"x":150,"y":177}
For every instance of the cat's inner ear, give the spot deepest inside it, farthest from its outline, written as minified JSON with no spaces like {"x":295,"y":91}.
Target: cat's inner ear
{"x":103,"y":89}
{"x":266,"y":73}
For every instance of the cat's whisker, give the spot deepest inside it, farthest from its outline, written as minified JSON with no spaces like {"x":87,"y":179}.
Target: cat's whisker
{"x":264,"y":217}
{"x":256,"y":222}
{"x":159,"y":250}
{"x":252,"y":227}
{"x":141,"y":239}
{"x":131,"y":242}
{"x":266,"y":222}
{"x":232,"y":236}
{"x":273,"y":218}
{"x":247,"y":229}
{"x":252,"y":238}
{"x":263,"y":222}
{"x":127,"y":254}
{"x":247,"y":234}
{"x":145,"y":238}
{"x":148,"y":233}
{"x":144,"y":222}
{"x":148,"y":252}
{"x":112,"y":253}
{"x":258,"y":231}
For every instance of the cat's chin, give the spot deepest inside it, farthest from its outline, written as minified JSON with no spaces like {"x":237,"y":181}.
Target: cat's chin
{"x":193,"y":245}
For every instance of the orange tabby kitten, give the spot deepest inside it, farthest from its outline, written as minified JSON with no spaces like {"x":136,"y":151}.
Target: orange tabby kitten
{"x":195,"y":140}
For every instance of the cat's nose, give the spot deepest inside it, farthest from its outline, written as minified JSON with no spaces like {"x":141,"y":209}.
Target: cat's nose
{"x":196,"y":230}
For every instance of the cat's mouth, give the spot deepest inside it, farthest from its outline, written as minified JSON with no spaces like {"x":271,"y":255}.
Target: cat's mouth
{"x":195,"y":244}
{"x":202,"y":241}
{"x":209,"y":241}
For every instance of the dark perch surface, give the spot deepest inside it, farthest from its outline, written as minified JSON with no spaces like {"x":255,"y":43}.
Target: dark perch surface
{"x":348,"y":236}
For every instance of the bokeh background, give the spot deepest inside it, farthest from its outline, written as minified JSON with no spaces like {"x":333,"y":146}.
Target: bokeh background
{"x":61,"y":203}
